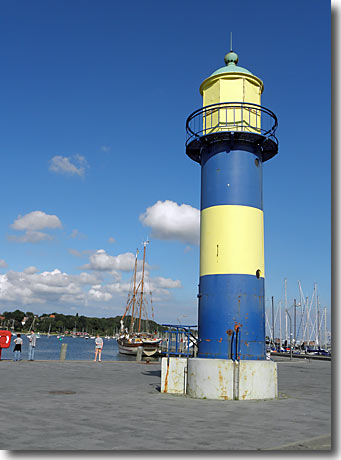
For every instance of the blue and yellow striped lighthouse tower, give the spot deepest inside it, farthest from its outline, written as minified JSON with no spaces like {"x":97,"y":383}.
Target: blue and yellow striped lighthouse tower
{"x":231,"y":137}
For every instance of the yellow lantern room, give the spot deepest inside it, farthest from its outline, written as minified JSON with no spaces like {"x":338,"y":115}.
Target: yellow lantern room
{"x":231,"y":84}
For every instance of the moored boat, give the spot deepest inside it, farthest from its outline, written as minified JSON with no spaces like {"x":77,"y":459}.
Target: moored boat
{"x":130,"y":339}
{"x":129,"y":343}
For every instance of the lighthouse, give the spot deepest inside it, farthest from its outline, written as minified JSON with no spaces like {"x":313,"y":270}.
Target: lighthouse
{"x":231,"y":137}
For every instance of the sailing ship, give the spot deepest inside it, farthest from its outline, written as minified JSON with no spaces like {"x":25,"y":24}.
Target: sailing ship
{"x":131,"y":337}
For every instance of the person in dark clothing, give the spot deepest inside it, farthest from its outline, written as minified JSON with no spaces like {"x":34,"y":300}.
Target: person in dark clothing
{"x":17,"y":349}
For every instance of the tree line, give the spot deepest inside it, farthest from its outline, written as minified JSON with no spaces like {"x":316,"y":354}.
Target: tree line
{"x":20,"y":321}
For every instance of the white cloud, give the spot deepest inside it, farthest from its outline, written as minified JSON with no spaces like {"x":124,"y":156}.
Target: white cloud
{"x":105,"y":288}
{"x":32,"y":222}
{"x":166,"y":283}
{"x":30,"y":237}
{"x":104,"y":262}
{"x":170,"y":221}
{"x":36,"y":220}
{"x":3,"y":263}
{"x":74,"y":165}
{"x":98,"y":295}
{"x":85,"y":278}
{"x":30,"y":270}
{"x":119,"y":287}
{"x":160,"y":287}
{"x":29,"y":286}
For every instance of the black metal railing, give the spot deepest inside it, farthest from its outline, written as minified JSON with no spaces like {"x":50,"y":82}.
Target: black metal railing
{"x":231,"y":116}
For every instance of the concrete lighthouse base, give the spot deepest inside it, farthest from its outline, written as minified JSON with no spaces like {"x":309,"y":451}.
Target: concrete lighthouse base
{"x":219,"y":378}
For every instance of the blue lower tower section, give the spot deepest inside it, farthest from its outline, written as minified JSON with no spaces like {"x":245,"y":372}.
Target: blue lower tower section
{"x":231,"y":317}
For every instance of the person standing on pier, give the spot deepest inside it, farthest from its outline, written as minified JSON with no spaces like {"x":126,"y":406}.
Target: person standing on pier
{"x":17,"y":349}
{"x":33,"y":340}
{"x":98,"y":347}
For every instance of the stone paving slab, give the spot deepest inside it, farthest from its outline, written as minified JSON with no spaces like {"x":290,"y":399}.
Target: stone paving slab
{"x":79,"y":405}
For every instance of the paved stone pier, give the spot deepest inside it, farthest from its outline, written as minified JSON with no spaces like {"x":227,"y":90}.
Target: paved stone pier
{"x":73,"y":405}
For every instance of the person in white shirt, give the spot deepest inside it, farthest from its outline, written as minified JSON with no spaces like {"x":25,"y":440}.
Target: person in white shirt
{"x":98,"y":347}
{"x":17,"y":349}
{"x":32,"y":346}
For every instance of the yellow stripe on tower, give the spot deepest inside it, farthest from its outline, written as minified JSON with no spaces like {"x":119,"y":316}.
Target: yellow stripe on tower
{"x":231,"y":240}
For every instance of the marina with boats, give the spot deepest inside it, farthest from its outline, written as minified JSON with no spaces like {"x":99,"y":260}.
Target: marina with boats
{"x":297,"y":328}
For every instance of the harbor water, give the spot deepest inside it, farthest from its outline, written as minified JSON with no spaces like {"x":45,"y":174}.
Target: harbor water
{"x":78,"y":349}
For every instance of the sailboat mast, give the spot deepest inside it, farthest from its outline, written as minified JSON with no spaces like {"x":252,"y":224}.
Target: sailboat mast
{"x":318,"y":322}
{"x":34,"y":318}
{"x":316,"y":316}
{"x":142,"y":281}
{"x":280,"y":324}
{"x":134,"y":294}
{"x":285,"y":309}
{"x":306,"y":327}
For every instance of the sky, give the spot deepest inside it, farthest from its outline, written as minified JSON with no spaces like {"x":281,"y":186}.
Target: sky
{"x":94,"y":100}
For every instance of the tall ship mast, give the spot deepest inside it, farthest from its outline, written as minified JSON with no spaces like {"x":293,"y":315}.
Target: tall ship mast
{"x":131,"y":335}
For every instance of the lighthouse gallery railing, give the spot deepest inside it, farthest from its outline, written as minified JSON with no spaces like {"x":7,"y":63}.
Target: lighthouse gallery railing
{"x":231,"y":116}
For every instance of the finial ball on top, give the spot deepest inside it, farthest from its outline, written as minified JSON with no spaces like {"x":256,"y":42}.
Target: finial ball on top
{"x":231,"y":58}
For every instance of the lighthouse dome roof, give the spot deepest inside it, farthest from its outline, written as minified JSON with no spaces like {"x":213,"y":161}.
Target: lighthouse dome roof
{"x":231,"y":61}
{"x":230,"y":69}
